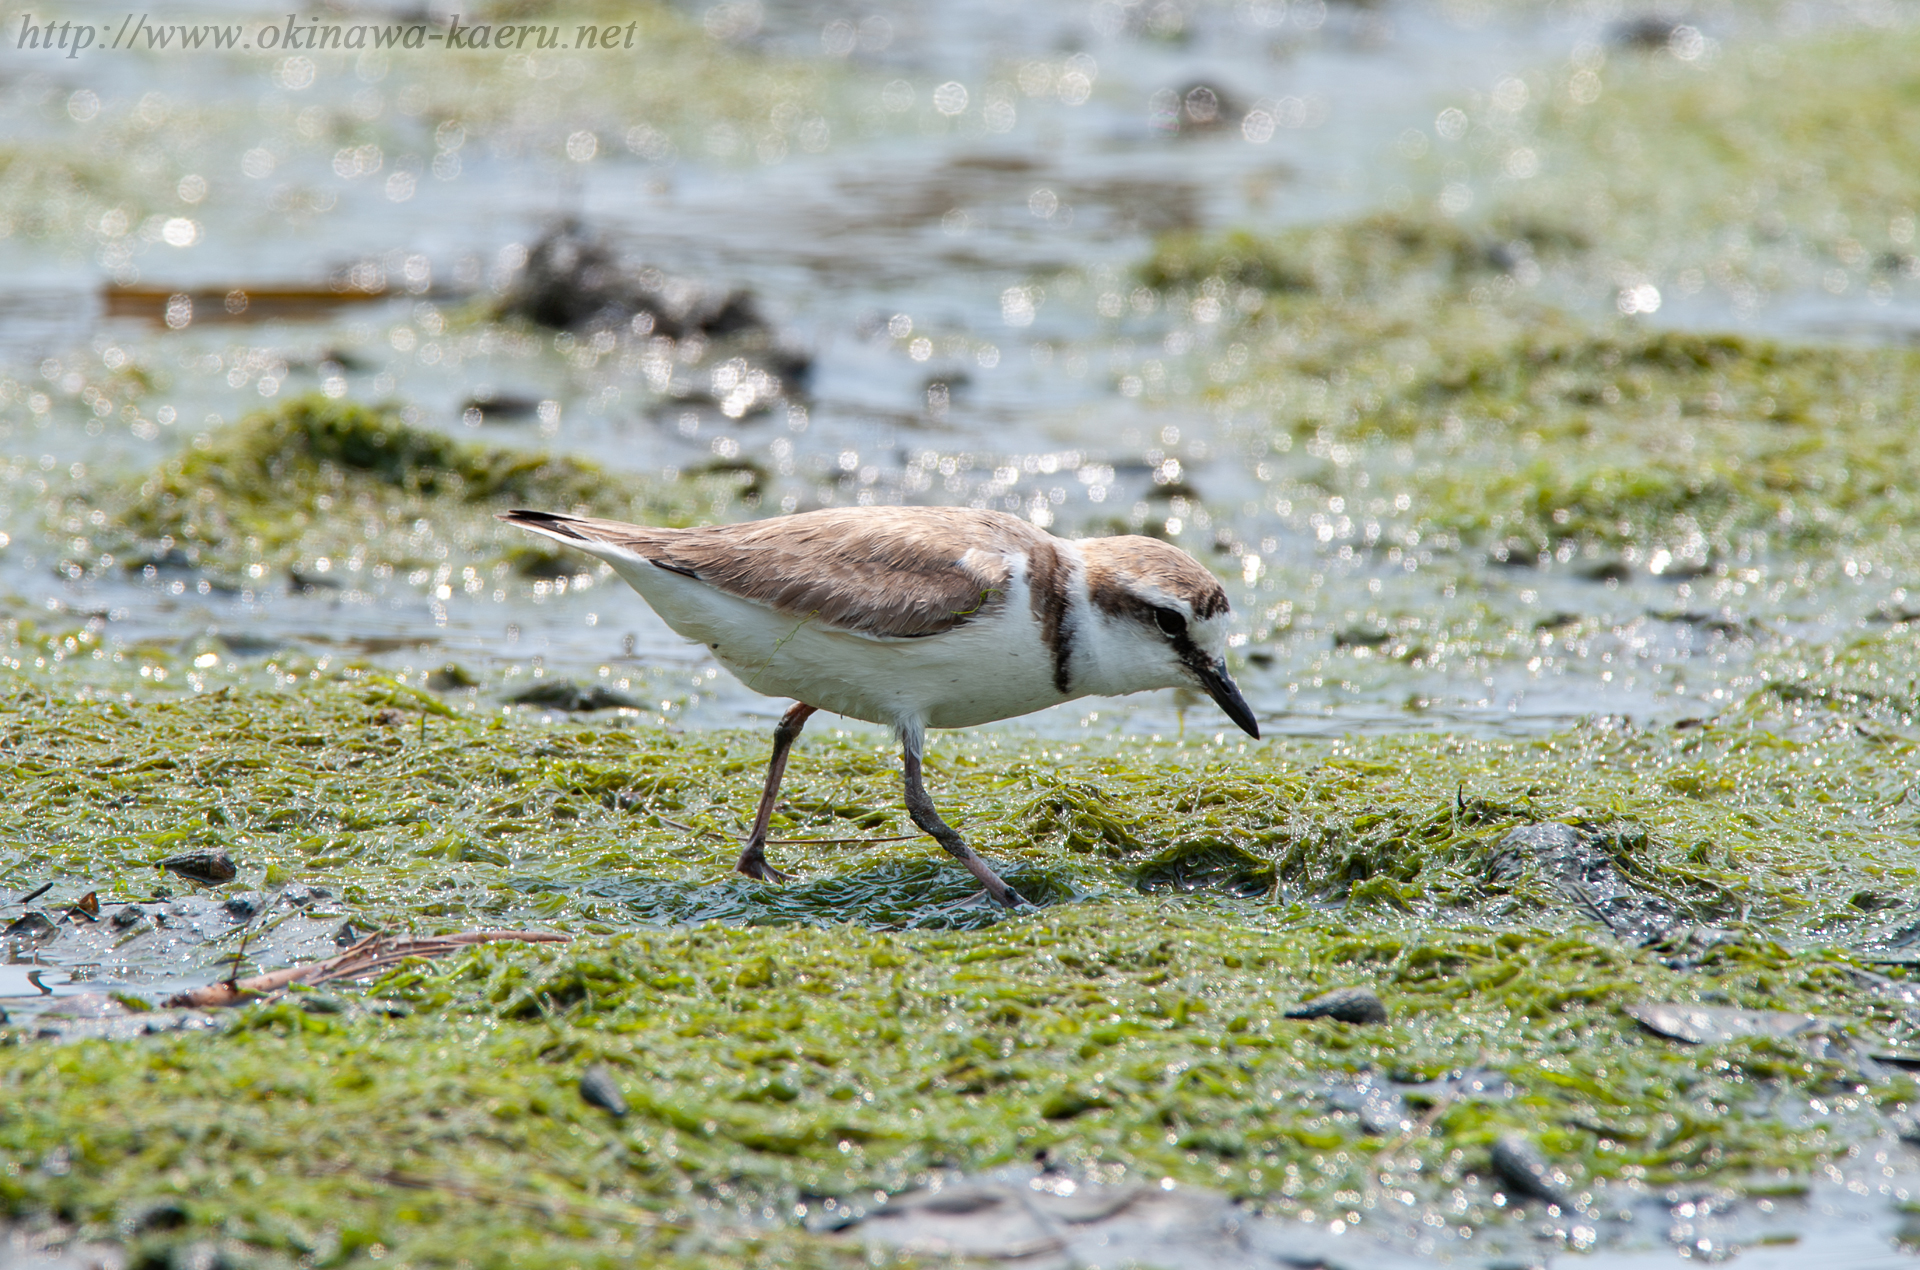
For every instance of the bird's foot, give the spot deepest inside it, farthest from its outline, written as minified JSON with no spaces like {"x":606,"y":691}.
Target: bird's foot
{"x":1005,"y":895}
{"x":755,"y":865}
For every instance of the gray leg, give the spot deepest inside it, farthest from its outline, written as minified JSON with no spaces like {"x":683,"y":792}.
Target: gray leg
{"x":753,"y":861}
{"x":920,"y":807}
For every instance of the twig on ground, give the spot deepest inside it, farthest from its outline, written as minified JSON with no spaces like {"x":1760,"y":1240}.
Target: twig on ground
{"x":375,"y":952}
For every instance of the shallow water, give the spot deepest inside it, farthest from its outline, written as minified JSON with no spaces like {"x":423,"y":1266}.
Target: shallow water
{"x":896,"y":246}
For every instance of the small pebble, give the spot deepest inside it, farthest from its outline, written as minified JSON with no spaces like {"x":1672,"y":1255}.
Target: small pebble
{"x":1525,"y":1171}
{"x":126,"y":917}
{"x":564,"y":694}
{"x":1347,"y":1005}
{"x":202,"y":866}
{"x":165,"y":1215}
{"x":597,"y":1087}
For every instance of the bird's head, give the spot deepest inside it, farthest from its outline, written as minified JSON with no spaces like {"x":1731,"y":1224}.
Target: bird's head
{"x":1160,"y":621}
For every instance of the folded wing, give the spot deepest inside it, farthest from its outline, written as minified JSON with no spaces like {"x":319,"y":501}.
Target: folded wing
{"x":874,"y":572}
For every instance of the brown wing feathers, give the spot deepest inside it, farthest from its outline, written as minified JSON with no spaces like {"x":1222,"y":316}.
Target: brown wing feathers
{"x":901,"y":576}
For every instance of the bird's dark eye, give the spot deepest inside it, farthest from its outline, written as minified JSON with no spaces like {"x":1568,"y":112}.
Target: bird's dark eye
{"x":1170,"y":623}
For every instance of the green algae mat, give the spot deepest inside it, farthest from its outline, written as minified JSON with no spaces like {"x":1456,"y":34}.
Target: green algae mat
{"x":874,"y":1023}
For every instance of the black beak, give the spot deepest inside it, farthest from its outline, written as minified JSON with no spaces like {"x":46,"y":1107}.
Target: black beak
{"x":1214,"y":678}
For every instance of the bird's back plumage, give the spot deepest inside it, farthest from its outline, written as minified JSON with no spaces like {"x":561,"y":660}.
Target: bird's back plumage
{"x":883,"y":572}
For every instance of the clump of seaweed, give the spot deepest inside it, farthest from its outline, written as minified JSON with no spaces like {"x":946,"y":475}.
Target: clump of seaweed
{"x":1369,"y":257}
{"x":1510,"y":427}
{"x":315,"y":479}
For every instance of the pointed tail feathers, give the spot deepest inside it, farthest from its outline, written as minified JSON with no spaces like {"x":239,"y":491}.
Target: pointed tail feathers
{"x":614,"y":541}
{"x":552,"y":524}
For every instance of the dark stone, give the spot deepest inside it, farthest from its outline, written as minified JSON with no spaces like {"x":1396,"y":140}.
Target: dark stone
{"x":1649,"y":32}
{"x":1526,"y":1173}
{"x":500,"y":406}
{"x":1357,"y":637}
{"x":127,"y":917}
{"x":248,"y":645}
{"x":1713,"y":624}
{"x":242,"y":908}
{"x":34,"y":925}
{"x":171,"y":558}
{"x":210,"y":867}
{"x":598,"y":1089}
{"x":1344,"y":1005}
{"x":346,"y":935}
{"x":451,"y":678}
{"x":564,"y":694}
{"x":165,"y":1215}
{"x":311,"y":584}
{"x":1516,"y":553}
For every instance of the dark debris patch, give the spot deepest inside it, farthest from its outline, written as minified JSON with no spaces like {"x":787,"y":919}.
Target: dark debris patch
{"x":32,"y":925}
{"x":209,"y":867}
{"x":564,"y":694}
{"x":1518,"y":1163}
{"x":1582,"y":864}
{"x":1343,"y":1005}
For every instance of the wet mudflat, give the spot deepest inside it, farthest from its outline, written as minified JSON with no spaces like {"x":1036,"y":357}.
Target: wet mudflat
{"x":1539,"y":378}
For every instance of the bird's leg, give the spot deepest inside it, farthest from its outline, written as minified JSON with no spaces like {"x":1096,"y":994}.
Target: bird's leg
{"x":920,"y":807}
{"x":753,"y":861}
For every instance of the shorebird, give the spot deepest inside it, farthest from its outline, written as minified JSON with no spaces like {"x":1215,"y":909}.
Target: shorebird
{"x":917,"y":618}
